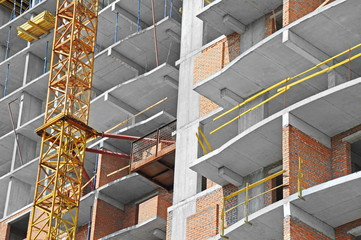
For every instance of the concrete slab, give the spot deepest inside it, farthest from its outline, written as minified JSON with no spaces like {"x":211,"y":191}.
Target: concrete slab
{"x":267,"y":223}
{"x":141,"y":231}
{"x":339,"y":105}
{"x":244,"y":11}
{"x":139,"y":47}
{"x":271,"y":61}
{"x":118,"y":102}
{"x":335,"y":202}
{"x":239,"y":153}
{"x":128,"y":189}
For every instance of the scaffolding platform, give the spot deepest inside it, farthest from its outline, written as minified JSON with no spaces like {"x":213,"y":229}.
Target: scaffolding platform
{"x":153,"y":156}
{"x":34,"y":28}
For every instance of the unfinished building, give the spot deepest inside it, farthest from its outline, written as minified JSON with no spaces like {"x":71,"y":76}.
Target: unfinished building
{"x":223,"y":119}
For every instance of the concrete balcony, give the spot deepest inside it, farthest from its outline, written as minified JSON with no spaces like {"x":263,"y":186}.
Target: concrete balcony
{"x":339,"y":105}
{"x":290,"y":51}
{"x":151,"y":223}
{"x":326,"y":206}
{"x":228,"y":16}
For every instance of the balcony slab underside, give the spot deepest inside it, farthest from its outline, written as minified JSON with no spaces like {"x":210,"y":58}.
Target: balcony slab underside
{"x":141,"y":231}
{"x":335,"y":203}
{"x":320,"y":35}
{"x":339,"y":105}
{"x":118,"y":102}
{"x":245,"y":11}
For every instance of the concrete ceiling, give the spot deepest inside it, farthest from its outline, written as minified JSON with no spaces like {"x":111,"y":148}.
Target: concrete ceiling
{"x":245,"y":11}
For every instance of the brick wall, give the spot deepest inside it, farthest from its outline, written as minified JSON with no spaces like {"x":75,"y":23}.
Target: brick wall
{"x":294,"y":229}
{"x":341,"y":153}
{"x":341,"y":231}
{"x":169,"y":226}
{"x":270,"y":197}
{"x":82,"y":233}
{"x":156,"y":206}
{"x":108,"y":164}
{"x":316,"y":166}
{"x":295,"y":9}
{"x":212,"y":60}
{"x":106,"y":219}
{"x":270,"y":24}
{"x":205,"y":223}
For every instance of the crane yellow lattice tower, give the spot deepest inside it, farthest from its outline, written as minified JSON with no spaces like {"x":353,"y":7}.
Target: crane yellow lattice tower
{"x":65,"y":130}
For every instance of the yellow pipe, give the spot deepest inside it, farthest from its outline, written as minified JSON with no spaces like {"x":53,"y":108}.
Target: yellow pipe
{"x":286,"y":80}
{"x":205,"y":139}
{"x":200,"y":142}
{"x":255,"y":184}
{"x":249,"y":110}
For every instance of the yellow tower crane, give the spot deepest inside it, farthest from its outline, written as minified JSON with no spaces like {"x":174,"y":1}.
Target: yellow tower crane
{"x":65,"y":130}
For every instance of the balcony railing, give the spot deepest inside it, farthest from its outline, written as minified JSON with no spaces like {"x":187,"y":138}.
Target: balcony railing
{"x":155,"y":144}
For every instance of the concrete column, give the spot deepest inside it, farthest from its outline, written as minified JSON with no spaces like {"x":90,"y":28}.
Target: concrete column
{"x":5,"y":16}
{"x":186,"y":181}
{"x":18,"y":196}
{"x":2,"y":52}
{"x":254,"y":116}
{"x":34,"y":67}
{"x":335,"y":78}
{"x":30,"y":107}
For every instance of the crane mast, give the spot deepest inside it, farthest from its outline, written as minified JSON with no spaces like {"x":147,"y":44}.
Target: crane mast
{"x":65,"y":129}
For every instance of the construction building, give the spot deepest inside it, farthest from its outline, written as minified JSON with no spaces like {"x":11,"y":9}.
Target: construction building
{"x":218,"y":119}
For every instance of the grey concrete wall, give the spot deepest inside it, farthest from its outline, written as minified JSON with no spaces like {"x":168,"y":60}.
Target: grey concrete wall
{"x":19,"y":195}
{"x":30,"y":107}
{"x":254,"y":116}
{"x":4,"y":16}
{"x":27,"y":148}
{"x":34,"y":67}
{"x":255,"y":32}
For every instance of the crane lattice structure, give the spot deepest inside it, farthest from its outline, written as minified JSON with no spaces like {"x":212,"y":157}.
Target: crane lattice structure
{"x":65,"y":130}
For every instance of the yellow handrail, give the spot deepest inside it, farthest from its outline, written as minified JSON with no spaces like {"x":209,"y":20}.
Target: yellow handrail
{"x":245,"y":203}
{"x":287,"y":87}
{"x":205,"y":139}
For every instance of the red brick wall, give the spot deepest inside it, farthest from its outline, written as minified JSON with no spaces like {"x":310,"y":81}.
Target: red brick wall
{"x":148,"y":209}
{"x":270,"y":197}
{"x":108,"y":164}
{"x":270,"y":24}
{"x":203,"y":224}
{"x":295,"y":9}
{"x":82,"y":233}
{"x":212,"y":60}
{"x":316,"y":166}
{"x":294,"y":229}
{"x":341,"y":231}
{"x":106,"y":219}
{"x":341,"y":153}
{"x":4,"y":231}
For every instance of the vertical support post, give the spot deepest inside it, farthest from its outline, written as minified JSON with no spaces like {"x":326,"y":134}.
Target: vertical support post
{"x":165,"y":8}
{"x":95,"y":171}
{"x":157,"y":146}
{"x":155,"y":35}
{"x":171,"y":9}
{"x":14,"y":15}
{"x":15,"y":134}
{"x":90,"y":215}
{"x":46,"y":56}
{"x":138,"y":15}
{"x":6,"y":81}
{"x":299,"y":180}
{"x":95,"y":48}
{"x":21,"y":7}
{"x":116,"y":29}
{"x":103,"y":5}
{"x":7,"y":44}
{"x":222,"y":220}
{"x":246,"y":206}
